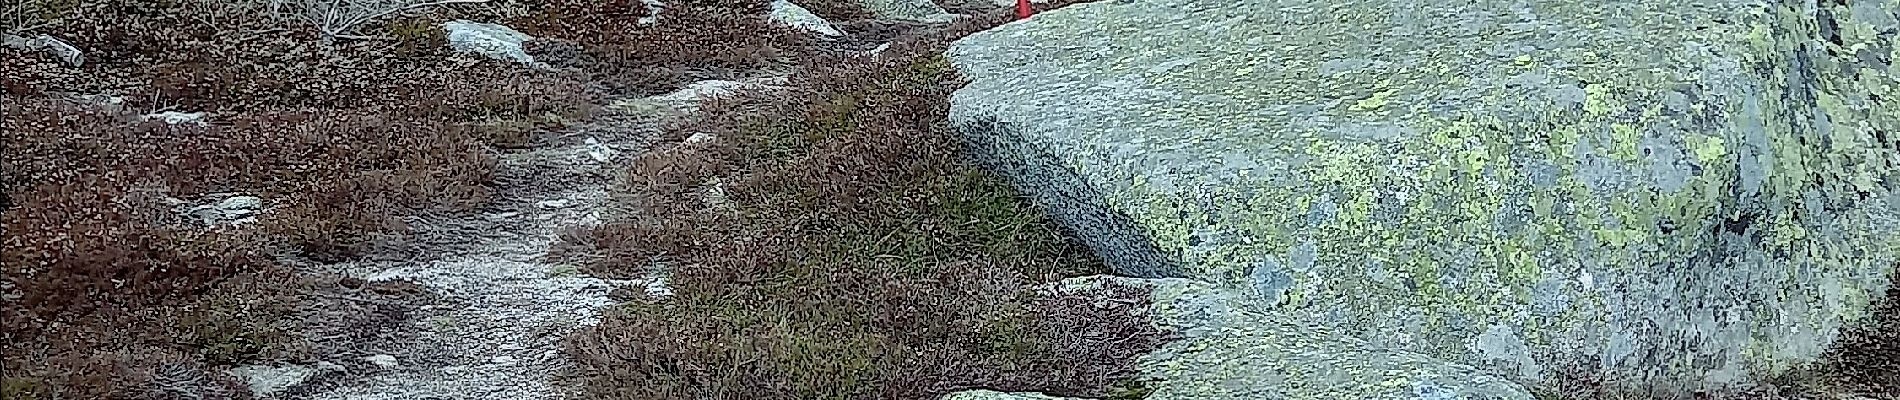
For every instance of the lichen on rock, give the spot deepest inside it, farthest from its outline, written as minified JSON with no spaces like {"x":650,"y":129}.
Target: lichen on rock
{"x":1669,"y":196}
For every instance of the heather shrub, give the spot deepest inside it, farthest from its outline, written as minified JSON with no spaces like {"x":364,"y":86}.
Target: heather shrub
{"x":688,"y":41}
{"x":851,"y":251}
{"x":109,"y":293}
{"x":837,"y":11}
{"x":103,"y":299}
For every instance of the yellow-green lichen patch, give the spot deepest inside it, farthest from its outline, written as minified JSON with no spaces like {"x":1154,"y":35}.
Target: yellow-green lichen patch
{"x":1418,"y":174}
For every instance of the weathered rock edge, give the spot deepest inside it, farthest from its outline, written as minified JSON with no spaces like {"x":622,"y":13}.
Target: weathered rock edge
{"x":1666,"y":196}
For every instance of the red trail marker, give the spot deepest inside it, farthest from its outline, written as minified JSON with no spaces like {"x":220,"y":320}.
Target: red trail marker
{"x":1023,"y":10}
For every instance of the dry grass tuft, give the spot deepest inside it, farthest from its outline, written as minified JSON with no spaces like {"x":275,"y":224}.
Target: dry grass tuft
{"x":854,"y":253}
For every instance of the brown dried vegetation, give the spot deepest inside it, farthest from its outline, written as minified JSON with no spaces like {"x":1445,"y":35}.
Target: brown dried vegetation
{"x":852,"y":253}
{"x":109,"y":293}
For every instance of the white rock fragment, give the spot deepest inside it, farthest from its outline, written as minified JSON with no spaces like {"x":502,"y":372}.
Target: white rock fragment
{"x":788,"y":13}
{"x":229,"y":210}
{"x":700,"y":137}
{"x":67,"y":54}
{"x":491,"y":40}
{"x":875,"y":51}
{"x":175,"y":117}
{"x":702,"y":90}
{"x":382,"y":360}
{"x":653,"y":12}
{"x":656,"y":288}
{"x":600,"y":152}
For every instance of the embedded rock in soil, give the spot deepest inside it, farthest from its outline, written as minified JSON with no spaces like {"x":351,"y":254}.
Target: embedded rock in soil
{"x":267,"y":381}
{"x":175,"y":117}
{"x":908,"y":10}
{"x":1668,"y":196}
{"x":66,"y":54}
{"x":490,"y":40}
{"x":220,"y":208}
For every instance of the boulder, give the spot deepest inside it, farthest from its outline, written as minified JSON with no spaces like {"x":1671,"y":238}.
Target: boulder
{"x":490,"y":40}
{"x":908,"y":10}
{"x":788,"y":13}
{"x":1665,"y":196}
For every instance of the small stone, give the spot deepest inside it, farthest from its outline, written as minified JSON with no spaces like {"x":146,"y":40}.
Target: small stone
{"x":491,"y":40}
{"x":382,"y":360}
{"x":67,"y":54}
{"x":267,"y":380}
{"x":503,"y":360}
{"x":699,"y":137}
{"x":788,"y":13}
{"x":329,"y":366}
{"x":876,"y":51}
{"x":555,"y":203}
{"x":657,"y":288}
{"x":241,"y":203}
{"x":175,"y":118}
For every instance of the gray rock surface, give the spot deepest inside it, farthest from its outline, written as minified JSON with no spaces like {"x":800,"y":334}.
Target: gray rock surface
{"x":176,"y":117}
{"x":266,"y":381}
{"x":995,"y":395}
{"x":788,"y":13}
{"x":1666,"y":195}
{"x":909,"y":10}
{"x":489,"y":40}
{"x":218,"y":209}
{"x":1229,"y":347}
{"x":67,"y":54}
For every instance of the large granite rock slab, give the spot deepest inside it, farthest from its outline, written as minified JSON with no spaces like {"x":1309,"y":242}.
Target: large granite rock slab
{"x":1666,"y":196}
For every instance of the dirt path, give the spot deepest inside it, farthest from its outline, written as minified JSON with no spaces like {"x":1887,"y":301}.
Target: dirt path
{"x":499,"y":312}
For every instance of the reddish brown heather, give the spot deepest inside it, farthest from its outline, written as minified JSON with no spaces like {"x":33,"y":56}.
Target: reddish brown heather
{"x":109,"y":294}
{"x":858,"y":255}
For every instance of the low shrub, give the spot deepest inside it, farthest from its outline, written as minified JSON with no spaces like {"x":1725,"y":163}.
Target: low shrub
{"x":833,"y":242}
{"x":614,"y":45}
{"x":110,"y":293}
